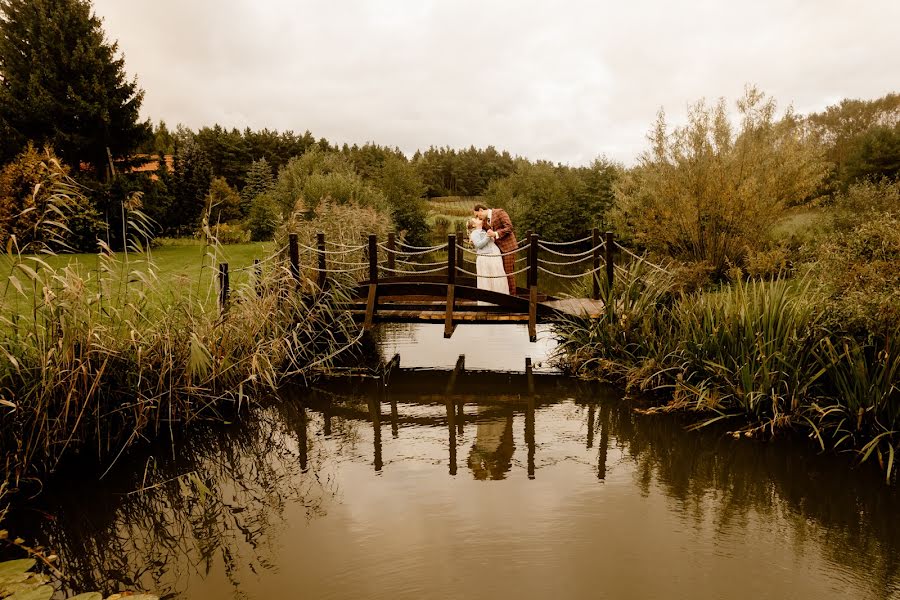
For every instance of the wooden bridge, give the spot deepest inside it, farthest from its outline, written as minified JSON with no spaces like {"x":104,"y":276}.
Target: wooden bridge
{"x":397,"y":282}
{"x":433,"y":284}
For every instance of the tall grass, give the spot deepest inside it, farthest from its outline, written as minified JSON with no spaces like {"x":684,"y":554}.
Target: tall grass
{"x":757,"y":350}
{"x":98,"y":367}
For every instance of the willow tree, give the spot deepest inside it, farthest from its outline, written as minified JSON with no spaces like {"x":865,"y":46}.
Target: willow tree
{"x":709,"y":191}
{"x":62,"y":84}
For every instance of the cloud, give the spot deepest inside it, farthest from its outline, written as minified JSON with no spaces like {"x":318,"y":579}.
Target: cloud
{"x":561,"y":82}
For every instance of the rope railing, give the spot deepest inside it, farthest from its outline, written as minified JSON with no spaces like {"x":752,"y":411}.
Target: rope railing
{"x":585,"y":253}
{"x":572,"y":243}
{"x":416,"y":253}
{"x":277,"y":254}
{"x":504,"y":276}
{"x":643,"y":260}
{"x":563,"y":264}
{"x":343,"y":245}
{"x":423,"y":272}
{"x":572,"y":276}
{"x":347,"y":249}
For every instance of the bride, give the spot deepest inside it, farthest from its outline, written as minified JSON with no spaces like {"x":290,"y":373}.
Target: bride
{"x":489,"y":264}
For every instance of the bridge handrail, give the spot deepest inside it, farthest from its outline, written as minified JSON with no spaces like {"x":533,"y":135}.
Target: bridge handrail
{"x":347,"y":250}
{"x":262,"y":261}
{"x":417,"y":253}
{"x":425,"y":272}
{"x":572,"y":243}
{"x":504,"y":276}
{"x":562,"y":264}
{"x":516,"y":251}
{"x":643,"y":260}
{"x":342,"y":245}
{"x":575,"y":276}
{"x":585,"y":253}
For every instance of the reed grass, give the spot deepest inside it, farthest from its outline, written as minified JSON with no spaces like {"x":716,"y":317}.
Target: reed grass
{"x":758,"y":350}
{"x":104,"y":361}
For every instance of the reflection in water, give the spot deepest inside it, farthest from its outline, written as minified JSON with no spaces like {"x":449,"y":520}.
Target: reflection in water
{"x":310,"y":496}
{"x":492,"y":450}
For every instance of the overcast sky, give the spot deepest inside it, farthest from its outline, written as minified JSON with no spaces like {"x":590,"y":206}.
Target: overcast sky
{"x":564,"y":81}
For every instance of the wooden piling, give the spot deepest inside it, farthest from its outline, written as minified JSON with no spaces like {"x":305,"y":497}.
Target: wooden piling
{"x":323,"y":264}
{"x":532,"y":286}
{"x":451,"y":284}
{"x":372,"y":299}
{"x":294,"y":253}
{"x":457,"y":370}
{"x":224,"y":291}
{"x":391,"y":243}
{"x":595,"y":268}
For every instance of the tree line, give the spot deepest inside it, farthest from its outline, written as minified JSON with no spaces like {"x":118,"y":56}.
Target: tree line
{"x":704,"y":191}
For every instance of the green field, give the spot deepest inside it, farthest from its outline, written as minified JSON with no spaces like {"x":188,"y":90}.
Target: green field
{"x":181,"y":267}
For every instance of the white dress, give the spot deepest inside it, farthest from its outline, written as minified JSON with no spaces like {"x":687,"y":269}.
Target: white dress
{"x":489,"y":263}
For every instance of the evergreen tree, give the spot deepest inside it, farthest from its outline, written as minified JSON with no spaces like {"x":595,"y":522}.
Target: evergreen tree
{"x":62,"y":84}
{"x":191,"y":180}
{"x":259,"y":181}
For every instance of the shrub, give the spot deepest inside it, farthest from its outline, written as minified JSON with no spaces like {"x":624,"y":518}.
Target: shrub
{"x":38,"y":208}
{"x":264,"y":217}
{"x":230,"y":233}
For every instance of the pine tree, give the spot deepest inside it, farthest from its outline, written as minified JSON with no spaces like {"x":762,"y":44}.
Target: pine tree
{"x":63,"y":84}
{"x":259,"y":181}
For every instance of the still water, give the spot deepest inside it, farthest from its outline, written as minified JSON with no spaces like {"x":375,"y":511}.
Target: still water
{"x":492,"y":485}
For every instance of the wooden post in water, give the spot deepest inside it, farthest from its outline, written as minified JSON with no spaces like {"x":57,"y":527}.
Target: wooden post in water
{"x":294,"y":253}
{"x":460,"y":368}
{"x":451,"y":425}
{"x":529,"y":418}
{"x":391,"y":243}
{"x":451,"y":284}
{"x":323,"y":265}
{"x":595,"y":265}
{"x":592,"y":411}
{"x":223,"y":287}
{"x":372,"y":300}
{"x":604,"y":441}
{"x":375,"y":414}
{"x":532,"y":286}
{"x":610,"y":265}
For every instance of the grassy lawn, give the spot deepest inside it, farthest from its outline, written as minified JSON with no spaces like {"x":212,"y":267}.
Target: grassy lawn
{"x":799,"y":221}
{"x":181,"y":267}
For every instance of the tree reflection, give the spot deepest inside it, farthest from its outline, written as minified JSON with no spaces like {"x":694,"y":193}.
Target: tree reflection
{"x":220,"y":499}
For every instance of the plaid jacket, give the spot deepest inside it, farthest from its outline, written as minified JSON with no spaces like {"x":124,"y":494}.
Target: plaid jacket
{"x":506,"y":237}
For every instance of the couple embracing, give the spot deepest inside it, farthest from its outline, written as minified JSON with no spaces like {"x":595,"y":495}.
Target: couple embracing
{"x":491,"y":233}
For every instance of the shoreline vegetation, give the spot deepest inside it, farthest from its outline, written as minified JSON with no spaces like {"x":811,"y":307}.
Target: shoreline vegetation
{"x":94,"y":360}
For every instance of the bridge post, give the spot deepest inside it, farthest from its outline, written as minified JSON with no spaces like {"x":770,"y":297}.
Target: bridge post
{"x":223,"y":287}
{"x":323,"y":276}
{"x":451,"y":284}
{"x":372,"y":300}
{"x":532,"y":286}
{"x":610,"y":265}
{"x":460,"y":235}
{"x":595,"y":268}
{"x":294,"y":254}
{"x":391,"y":241}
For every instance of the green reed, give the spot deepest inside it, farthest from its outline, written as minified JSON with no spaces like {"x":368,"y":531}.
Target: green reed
{"x":99,"y":361}
{"x":760,"y":350}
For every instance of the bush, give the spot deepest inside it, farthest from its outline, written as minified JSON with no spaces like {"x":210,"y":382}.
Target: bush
{"x":41,"y":206}
{"x":860,"y":274}
{"x":264,"y":217}
{"x":708,"y":192}
{"x":230,"y":233}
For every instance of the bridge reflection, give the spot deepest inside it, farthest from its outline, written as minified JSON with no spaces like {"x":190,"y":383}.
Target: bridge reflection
{"x":467,"y":407}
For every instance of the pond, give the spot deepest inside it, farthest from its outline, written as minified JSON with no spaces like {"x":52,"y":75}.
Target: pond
{"x":485,"y":485}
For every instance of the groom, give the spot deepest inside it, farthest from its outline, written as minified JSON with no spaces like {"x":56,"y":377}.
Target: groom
{"x":500,"y":228}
